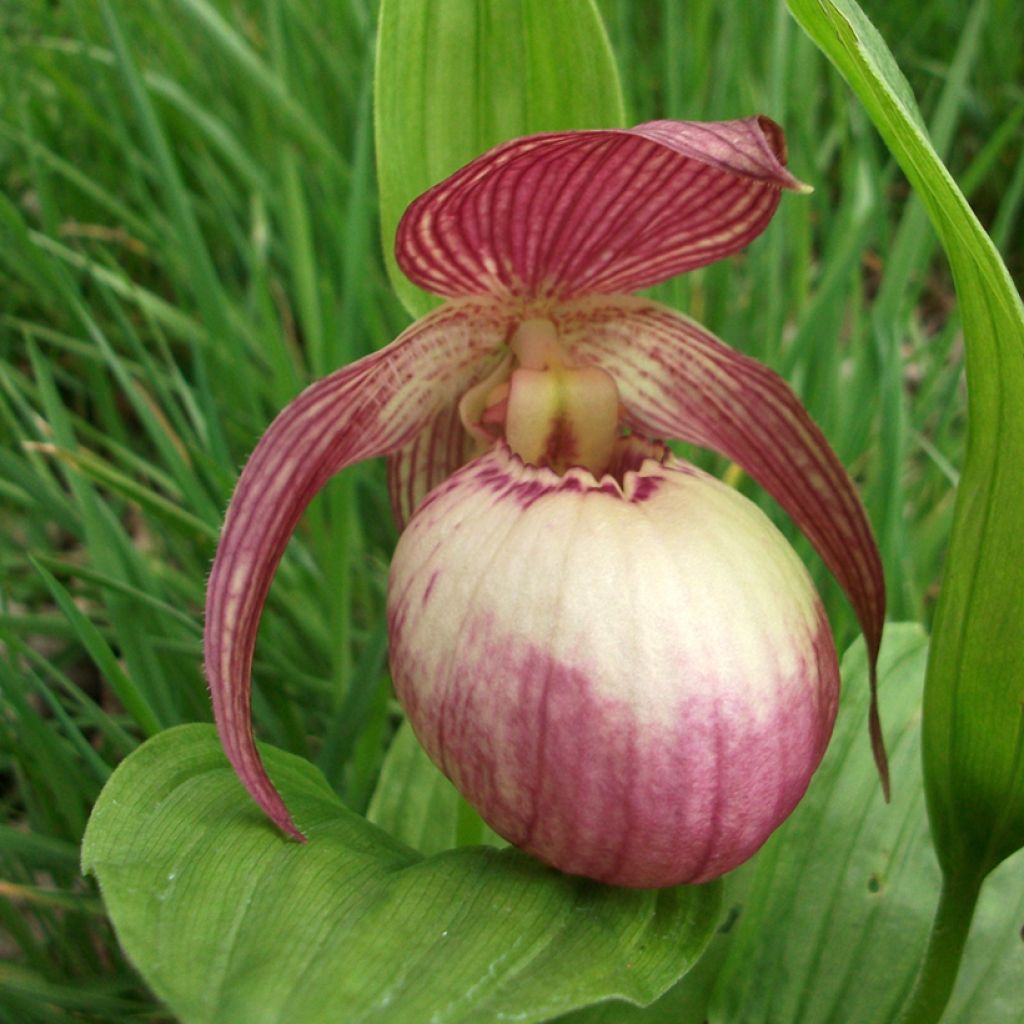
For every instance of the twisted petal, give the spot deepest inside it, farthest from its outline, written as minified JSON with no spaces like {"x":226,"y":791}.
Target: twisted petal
{"x":373,"y":407}
{"x":568,"y":214}
{"x":677,"y":380}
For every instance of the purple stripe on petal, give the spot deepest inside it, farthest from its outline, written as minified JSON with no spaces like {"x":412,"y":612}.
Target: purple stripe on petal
{"x":567,"y":214}
{"x":677,"y":380}
{"x":373,"y":407}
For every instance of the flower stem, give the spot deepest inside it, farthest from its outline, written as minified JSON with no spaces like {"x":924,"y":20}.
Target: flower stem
{"x":945,"y":950}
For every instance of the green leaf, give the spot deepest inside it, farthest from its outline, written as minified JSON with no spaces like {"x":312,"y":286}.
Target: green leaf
{"x":973,"y":728}
{"x":455,"y":79}
{"x":974,"y":698}
{"x":229,"y":922}
{"x":828,"y":923}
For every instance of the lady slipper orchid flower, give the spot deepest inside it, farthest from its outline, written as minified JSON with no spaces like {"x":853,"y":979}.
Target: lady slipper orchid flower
{"x":617,"y":659}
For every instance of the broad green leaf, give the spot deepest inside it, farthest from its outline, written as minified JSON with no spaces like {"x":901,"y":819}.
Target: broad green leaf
{"x":454,"y":79}
{"x":974,"y":698}
{"x":829,"y":921}
{"x":415,"y":802}
{"x":231,"y":923}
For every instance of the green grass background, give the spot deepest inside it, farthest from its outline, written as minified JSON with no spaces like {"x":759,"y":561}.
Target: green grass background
{"x":188,"y":234}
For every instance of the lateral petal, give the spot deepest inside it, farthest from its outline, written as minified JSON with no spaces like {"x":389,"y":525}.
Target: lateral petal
{"x":566,"y":214}
{"x":373,"y":407}
{"x":437,"y":451}
{"x":676,"y":380}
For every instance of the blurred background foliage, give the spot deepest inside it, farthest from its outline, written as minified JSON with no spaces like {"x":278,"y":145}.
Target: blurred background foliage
{"x":188,"y":234}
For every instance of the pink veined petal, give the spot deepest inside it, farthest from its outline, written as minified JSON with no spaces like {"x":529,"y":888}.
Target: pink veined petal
{"x":373,"y":407}
{"x":567,"y":214}
{"x":677,"y":380}
{"x":437,"y":451}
